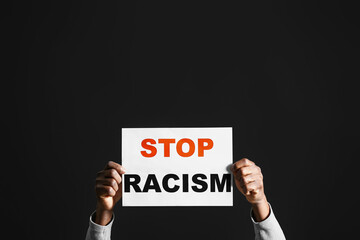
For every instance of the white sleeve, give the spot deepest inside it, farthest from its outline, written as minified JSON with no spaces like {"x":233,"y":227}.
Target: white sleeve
{"x":98,"y":232}
{"x":268,"y":229}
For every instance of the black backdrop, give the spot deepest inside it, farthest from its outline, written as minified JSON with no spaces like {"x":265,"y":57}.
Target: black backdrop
{"x":282,"y":74}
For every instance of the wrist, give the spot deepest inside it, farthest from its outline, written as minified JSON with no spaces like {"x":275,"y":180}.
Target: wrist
{"x":259,"y":203}
{"x":103,"y":216}
{"x":261,"y":210}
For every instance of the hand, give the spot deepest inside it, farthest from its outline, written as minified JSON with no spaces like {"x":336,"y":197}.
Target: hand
{"x":108,"y":188}
{"x":249,"y":181}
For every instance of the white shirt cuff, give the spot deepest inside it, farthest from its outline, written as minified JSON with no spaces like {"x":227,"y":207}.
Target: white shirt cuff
{"x":96,"y":231}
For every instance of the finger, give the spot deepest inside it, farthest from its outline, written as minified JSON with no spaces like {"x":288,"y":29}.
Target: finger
{"x":104,"y":191}
{"x":246,"y":179}
{"x":244,"y":171}
{"x":241,"y":163}
{"x":116,"y":166}
{"x":112,"y":173}
{"x":252,"y":187}
{"x":109,"y":182}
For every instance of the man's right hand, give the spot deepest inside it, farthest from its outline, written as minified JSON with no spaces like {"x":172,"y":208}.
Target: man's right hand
{"x":108,"y":188}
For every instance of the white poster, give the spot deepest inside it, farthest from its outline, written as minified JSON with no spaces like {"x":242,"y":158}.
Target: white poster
{"x":177,"y":166}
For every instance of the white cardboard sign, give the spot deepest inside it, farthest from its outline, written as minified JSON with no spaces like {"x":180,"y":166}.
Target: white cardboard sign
{"x":177,"y":166}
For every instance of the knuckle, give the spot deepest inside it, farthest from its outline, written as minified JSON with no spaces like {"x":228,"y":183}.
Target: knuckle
{"x":108,"y":164}
{"x":113,"y":183}
{"x":244,"y":180}
{"x":247,"y":161}
{"x":108,"y":189}
{"x":235,"y":166}
{"x":113,"y":172}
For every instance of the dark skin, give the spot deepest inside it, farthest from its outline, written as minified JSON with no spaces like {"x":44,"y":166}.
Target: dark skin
{"x":248,"y":180}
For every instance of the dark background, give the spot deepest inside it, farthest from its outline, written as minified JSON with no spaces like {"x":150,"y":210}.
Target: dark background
{"x":282,"y":74}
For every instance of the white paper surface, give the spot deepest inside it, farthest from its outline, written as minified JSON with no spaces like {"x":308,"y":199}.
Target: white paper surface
{"x":214,"y":161}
